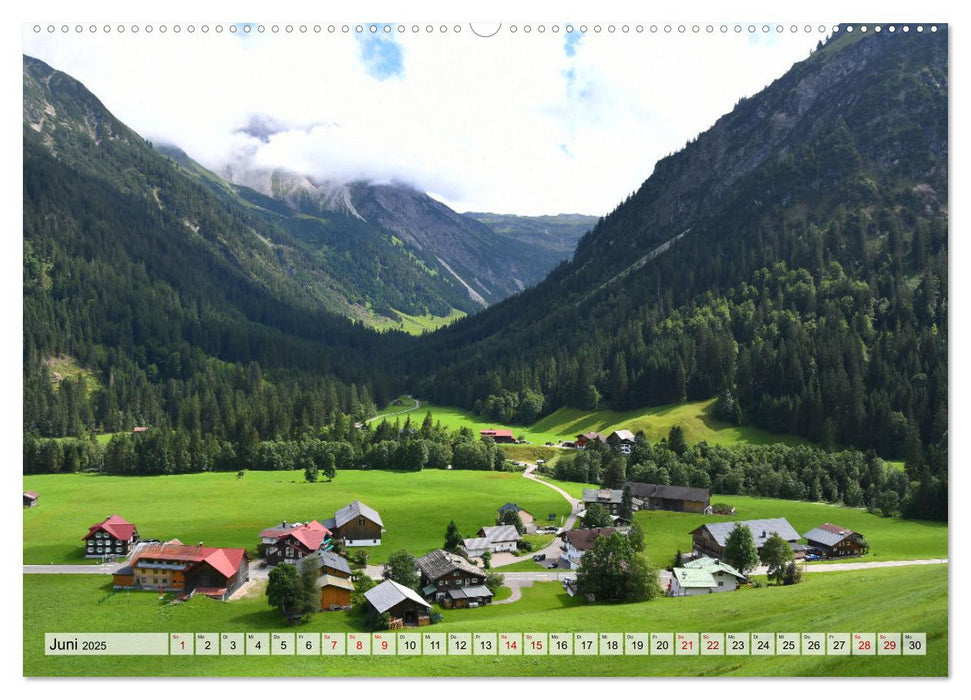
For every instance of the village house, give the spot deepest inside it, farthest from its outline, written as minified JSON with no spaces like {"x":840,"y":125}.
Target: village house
{"x":334,"y":582}
{"x":290,"y":542}
{"x":622,"y":441}
{"x":357,"y":524}
{"x":704,"y":575}
{"x":500,"y":436}
{"x":680,"y":499}
{"x":830,"y":540}
{"x":529,"y":523}
{"x":184,"y":569}
{"x":578,"y":542}
{"x":112,"y":537}
{"x":451,"y":581}
{"x":30,"y":499}
{"x":404,"y":606}
{"x":497,"y":538}
{"x":609,"y":498}
{"x":710,"y":538}
{"x":584,"y":439}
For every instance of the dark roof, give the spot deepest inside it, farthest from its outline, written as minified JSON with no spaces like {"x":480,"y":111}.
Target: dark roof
{"x":829,"y":534}
{"x":125,"y":571}
{"x":353,"y":510}
{"x":761,"y":530}
{"x":622,"y":435}
{"x":593,"y":436}
{"x":114,"y":525}
{"x":674,"y":493}
{"x":437,"y":563}
{"x":583,"y":539}
{"x":334,"y":561}
{"x":500,"y":533}
{"x":510,"y":507}
{"x":603,"y":495}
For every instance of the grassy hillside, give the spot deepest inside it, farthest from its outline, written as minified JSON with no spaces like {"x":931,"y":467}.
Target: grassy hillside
{"x":890,"y":538}
{"x":564,"y":424}
{"x":223,"y":511}
{"x":886,"y":600}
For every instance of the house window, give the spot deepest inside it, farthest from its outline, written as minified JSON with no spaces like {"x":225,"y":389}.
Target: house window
{"x":360,"y":522}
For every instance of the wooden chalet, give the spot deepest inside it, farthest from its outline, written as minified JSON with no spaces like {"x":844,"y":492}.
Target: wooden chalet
{"x":403,"y":605}
{"x":622,"y":441}
{"x":290,"y":542}
{"x":30,"y":499}
{"x":452,"y":581}
{"x":500,"y":436}
{"x":334,"y":564}
{"x":173,"y":567}
{"x":608,"y":498}
{"x":830,"y":540}
{"x":584,"y":439}
{"x":112,"y":537}
{"x":680,"y":499}
{"x":357,"y":524}
{"x":710,"y":538}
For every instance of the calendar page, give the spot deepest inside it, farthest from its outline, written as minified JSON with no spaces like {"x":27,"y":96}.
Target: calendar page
{"x":517,"y":349}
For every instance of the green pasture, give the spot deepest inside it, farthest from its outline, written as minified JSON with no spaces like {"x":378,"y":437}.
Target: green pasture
{"x":909,"y":599}
{"x":223,"y":511}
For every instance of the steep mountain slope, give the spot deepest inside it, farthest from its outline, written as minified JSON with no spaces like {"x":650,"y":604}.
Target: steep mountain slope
{"x":481,"y":264}
{"x":792,"y":258}
{"x":144,"y":271}
{"x":558,"y":233}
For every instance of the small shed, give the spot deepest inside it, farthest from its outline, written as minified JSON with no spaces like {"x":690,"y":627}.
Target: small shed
{"x":30,"y":499}
{"x":400,"y":602}
{"x":335,"y":592}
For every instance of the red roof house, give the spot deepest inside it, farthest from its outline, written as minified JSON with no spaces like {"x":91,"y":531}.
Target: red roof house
{"x":213,"y":571}
{"x":498,"y":435}
{"x":290,"y":542}
{"x":112,"y":537}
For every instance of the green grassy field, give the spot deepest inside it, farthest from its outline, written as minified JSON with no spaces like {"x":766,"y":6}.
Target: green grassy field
{"x":566,"y":423}
{"x":912,"y":599}
{"x":890,"y":538}
{"x":223,"y":511}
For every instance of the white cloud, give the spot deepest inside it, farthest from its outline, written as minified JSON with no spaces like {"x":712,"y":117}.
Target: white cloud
{"x":508,"y":124}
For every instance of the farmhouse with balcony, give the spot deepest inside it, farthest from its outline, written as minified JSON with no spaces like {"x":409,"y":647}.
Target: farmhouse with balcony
{"x":357,"y":524}
{"x":584,"y":439}
{"x":710,"y":538}
{"x":830,"y":540}
{"x":622,"y":441}
{"x":113,"y":536}
{"x":184,"y":569}
{"x":500,"y":436}
{"x":288,"y":543}
{"x":451,"y":581}
{"x":608,"y":498}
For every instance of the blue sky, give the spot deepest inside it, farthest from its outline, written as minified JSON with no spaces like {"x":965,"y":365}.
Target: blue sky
{"x":381,"y":55}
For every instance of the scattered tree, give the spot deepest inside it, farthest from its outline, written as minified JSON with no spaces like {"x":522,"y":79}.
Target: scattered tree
{"x":597,"y":516}
{"x":740,"y":550}
{"x":283,"y":588}
{"x":401,"y":568}
{"x":776,"y":554}
{"x":487,"y":560}
{"x":636,"y":537}
{"x":611,"y":570}
{"x":511,"y":517}
{"x":453,"y":538}
{"x":493,"y":581}
{"x":793,"y":574}
{"x":627,"y":505}
{"x":676,"y":441}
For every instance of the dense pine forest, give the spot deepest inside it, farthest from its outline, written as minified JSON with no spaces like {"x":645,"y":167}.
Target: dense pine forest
{"x":791,"y":260}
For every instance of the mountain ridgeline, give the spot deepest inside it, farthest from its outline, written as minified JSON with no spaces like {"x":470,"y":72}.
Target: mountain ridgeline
{"x":791,"y":259}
